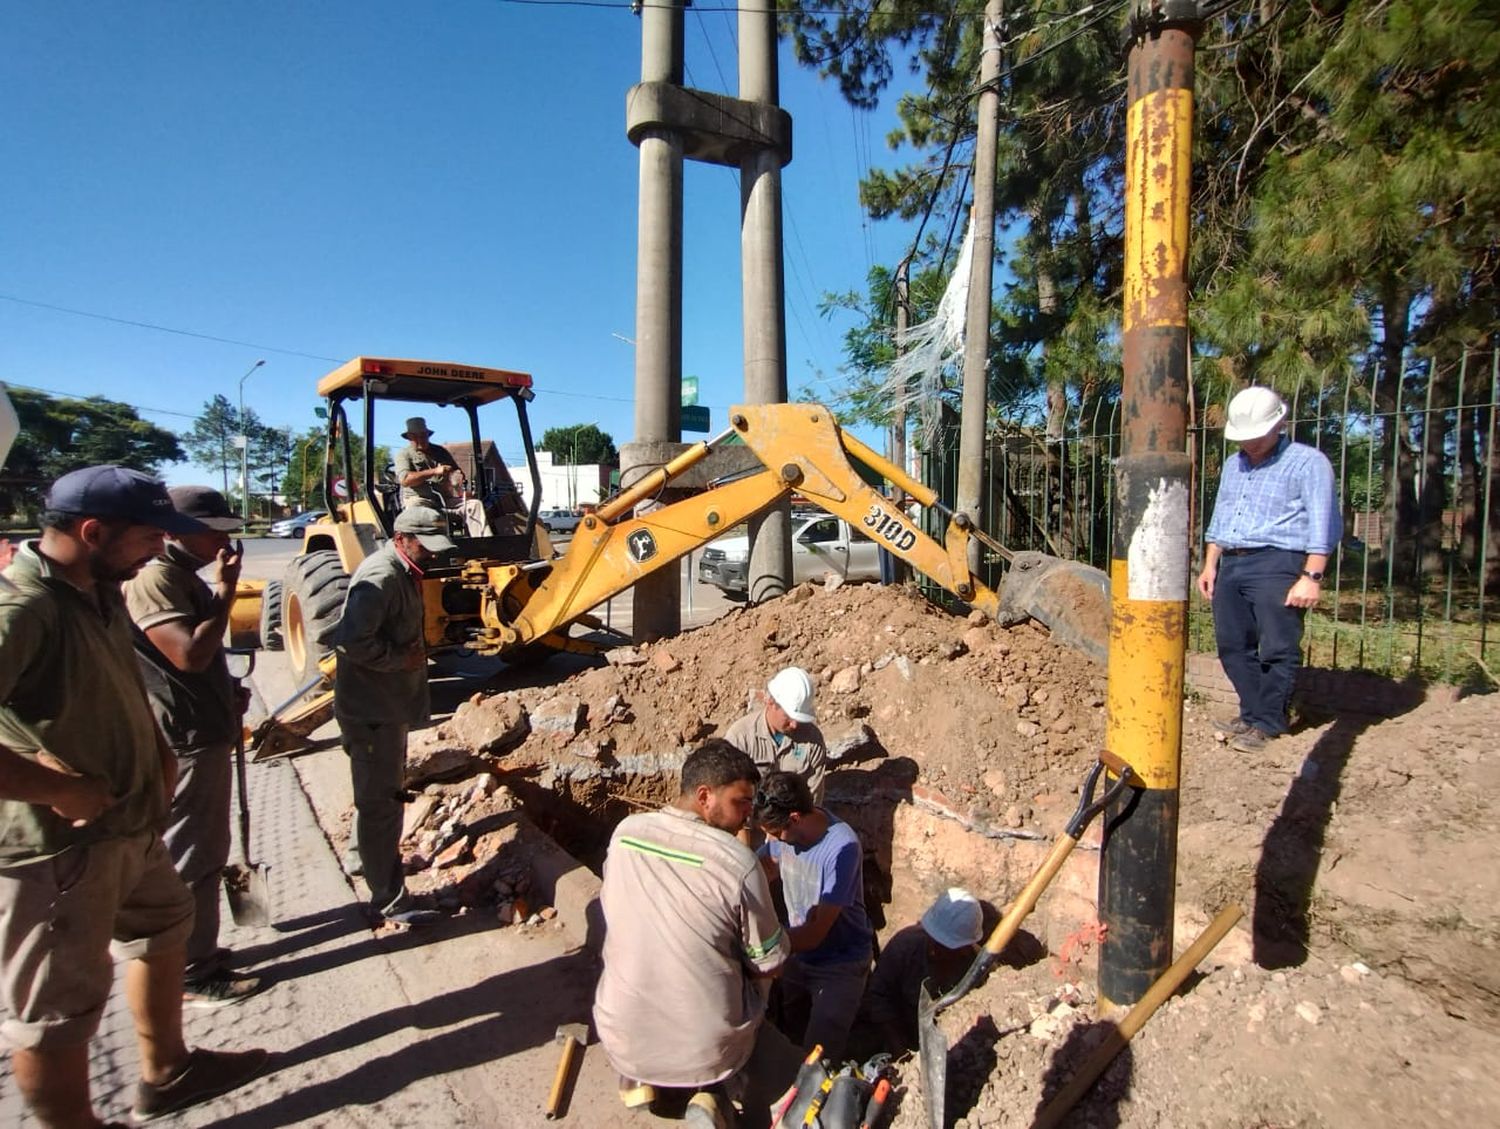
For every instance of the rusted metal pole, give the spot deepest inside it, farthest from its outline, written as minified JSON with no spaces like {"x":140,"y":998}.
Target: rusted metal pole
{"x":1149,"y":571}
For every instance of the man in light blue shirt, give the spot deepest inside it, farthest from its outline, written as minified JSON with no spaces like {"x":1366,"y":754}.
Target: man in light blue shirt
{"x":1276,"y":523}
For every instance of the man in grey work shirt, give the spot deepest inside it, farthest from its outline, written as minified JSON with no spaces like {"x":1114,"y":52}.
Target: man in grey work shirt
{"x":782,"y":733}
{"x":1276,"y":523}
{"x":430,"y":476}
{"x":380,"y":692}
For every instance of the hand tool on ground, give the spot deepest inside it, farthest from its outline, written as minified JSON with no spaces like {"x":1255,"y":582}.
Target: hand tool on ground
{"x":934,"y":1045}
{"x":809,"y":1077}
{"x":876,"y":1108}
{"x":245,"y":882}
{"x":846,"y":1100}
{"x":573,"y":1037}
{"x":1116,"y":1037}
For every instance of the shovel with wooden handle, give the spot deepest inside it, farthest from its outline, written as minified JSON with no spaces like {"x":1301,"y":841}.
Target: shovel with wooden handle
{"x":245,"y":882}
{"x":933,"y":1043}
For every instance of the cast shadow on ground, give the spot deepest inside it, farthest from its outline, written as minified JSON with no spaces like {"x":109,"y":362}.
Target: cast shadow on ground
{"x":500,"y":1016}
{"x":1099,"y":1107}
{"x":1292,"y":852}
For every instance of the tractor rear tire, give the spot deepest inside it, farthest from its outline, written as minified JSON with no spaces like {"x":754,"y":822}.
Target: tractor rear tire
{"x":270,"y":616}
{"x":312,"y":602}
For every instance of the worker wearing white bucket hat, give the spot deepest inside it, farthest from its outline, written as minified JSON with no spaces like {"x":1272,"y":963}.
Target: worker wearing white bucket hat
{"x":940,"y":948}
{"x":1275,"y":526}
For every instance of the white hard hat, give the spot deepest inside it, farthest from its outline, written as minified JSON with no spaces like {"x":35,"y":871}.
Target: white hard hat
{"x":955,"y":919}
{"x":792,"y":690}
{"x":1253,"y":413}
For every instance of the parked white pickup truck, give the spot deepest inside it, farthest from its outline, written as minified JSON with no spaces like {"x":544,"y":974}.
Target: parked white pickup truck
{"x":821,"y":543}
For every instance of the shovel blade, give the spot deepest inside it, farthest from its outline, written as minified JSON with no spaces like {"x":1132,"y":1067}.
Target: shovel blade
{"x":249,"y":893}
{"x":933,"y":1053}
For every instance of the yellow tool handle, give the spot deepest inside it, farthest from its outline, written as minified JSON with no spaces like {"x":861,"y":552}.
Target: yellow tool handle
{"x":1156,"y":995}
{"x":560,"y":1079}
{"x":1026,"y":900}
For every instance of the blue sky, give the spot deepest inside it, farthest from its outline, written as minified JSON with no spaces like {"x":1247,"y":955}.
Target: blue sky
{"x":318,"y":180}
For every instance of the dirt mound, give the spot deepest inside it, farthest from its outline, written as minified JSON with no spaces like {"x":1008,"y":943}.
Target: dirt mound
{"x":1361,"y":850}
{"x":959,"y":697}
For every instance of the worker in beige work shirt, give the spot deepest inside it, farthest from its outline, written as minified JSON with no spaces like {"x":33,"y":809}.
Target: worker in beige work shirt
{"x":691,"y":941}
{"x":781,"y":733}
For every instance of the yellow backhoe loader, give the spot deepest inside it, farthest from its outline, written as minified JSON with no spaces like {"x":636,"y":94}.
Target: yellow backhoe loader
{"x":509,"y":593}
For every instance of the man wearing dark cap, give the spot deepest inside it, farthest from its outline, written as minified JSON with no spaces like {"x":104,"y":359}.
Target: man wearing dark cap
{"x":85,"y":780}
{"x":379,"y":694}
{"x":430,"y":476}
{"x":199,"y":708}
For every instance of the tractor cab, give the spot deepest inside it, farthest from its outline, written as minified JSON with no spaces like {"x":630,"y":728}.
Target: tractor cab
{"x":492,"y":518}
{"x":488,"y":513}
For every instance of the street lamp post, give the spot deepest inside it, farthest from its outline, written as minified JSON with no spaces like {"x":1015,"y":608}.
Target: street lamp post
{"x":573,"y":467}
{"x":245,"y":447}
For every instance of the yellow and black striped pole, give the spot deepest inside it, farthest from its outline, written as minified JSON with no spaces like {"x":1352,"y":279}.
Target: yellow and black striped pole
{"x":1149,"y":571}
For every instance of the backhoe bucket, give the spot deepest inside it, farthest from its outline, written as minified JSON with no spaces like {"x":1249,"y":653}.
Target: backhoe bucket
{"x":1069,"y":597}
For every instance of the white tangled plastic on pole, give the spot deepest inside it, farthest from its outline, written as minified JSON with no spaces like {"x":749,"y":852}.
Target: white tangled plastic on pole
{"x":917,"y":378}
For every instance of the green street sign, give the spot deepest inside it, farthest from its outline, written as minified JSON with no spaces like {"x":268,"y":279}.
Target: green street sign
{"x":689,"y":390}
{"x":695,"y":418}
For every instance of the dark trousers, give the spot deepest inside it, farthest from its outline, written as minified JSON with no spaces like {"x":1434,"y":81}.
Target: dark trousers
{"x":197,"y":837}
{"x":377,"y":762}
{"x":1259,"y":637}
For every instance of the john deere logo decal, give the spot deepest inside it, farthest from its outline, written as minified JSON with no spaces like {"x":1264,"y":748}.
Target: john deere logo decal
{"x":641,"y":544}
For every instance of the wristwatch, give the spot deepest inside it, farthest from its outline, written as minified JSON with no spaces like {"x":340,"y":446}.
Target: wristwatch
{"x":1312,"y":575}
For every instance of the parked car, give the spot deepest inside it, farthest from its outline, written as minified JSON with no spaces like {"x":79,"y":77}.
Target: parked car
{"x":559,"y":521}
{"x":293,"y":526}
{"x":821,"y":543}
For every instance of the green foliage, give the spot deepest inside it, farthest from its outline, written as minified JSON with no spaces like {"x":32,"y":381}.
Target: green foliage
{"x":60,"y":433}
{"x":580,"y":444}
{"x":302,"y":482}
{"x":1345,"y":208}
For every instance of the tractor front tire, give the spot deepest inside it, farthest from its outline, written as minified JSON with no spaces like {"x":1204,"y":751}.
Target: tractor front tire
{"x":270,"y":616}
{"x":312,"y":602}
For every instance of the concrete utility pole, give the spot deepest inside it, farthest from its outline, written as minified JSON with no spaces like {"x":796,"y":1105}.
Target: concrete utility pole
{"x":657,"y":598}
{"x":1149,"y":572}
{"x":671,"y":123}
{"x":974,"y":405}
{"x":764,"y":294}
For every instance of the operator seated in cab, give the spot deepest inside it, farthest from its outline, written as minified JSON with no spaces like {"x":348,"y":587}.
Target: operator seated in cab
{"x":430,"y":476}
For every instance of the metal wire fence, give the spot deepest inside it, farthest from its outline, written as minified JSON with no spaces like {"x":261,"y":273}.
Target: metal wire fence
{"x":1414,"y":587}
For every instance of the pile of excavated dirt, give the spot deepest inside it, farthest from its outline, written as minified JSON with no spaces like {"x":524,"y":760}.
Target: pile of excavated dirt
{"x":1363,"y":987}
{"x":960,"y":697}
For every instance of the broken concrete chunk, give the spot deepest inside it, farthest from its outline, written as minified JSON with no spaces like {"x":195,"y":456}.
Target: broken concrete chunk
{"x":440,"y":762}
{"x":416,"y":814}
{"x":832,"y":582}
{"x":624,"y":656}
{"x":845,"y":681}
{"x":1027,"y":729}
{"x":846,"y":744}
{"x":561,"y":715}
{"x":664,"y":661}
{"x":491,"y":725}
{"x":453,"y":854}
{"x":978,"y":640}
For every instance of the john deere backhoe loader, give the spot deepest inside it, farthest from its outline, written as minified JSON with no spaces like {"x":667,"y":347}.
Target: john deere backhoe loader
{"x":509,"y":594}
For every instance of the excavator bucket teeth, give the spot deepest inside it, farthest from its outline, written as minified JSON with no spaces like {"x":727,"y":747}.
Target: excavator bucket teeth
{"x":1070,"y":598}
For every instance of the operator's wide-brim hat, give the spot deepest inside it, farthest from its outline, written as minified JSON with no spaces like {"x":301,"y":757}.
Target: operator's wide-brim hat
{"x":416,"y":426}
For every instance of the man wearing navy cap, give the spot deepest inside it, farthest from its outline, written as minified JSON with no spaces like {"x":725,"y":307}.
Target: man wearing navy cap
{"x":85,"y":781}
{"x":200,"y":710}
